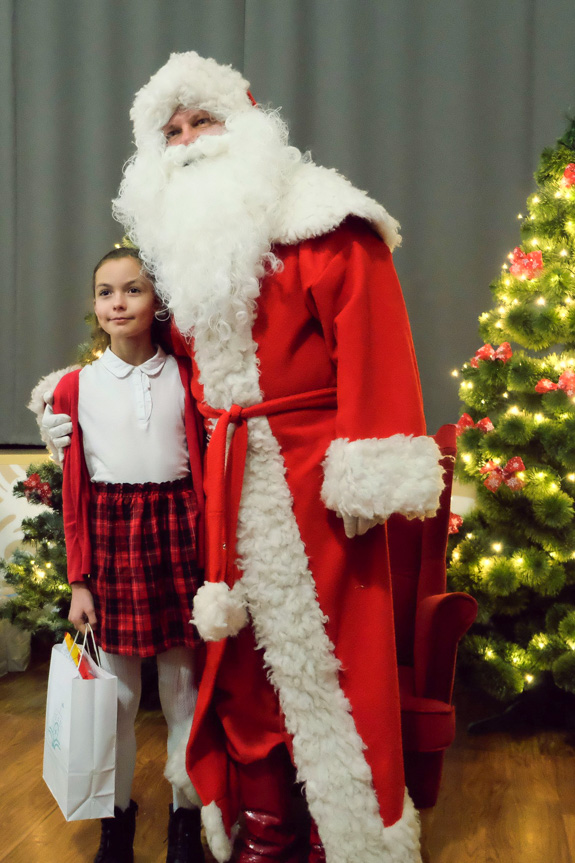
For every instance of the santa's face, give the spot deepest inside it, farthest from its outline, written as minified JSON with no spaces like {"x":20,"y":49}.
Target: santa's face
{"x":187,"y":124}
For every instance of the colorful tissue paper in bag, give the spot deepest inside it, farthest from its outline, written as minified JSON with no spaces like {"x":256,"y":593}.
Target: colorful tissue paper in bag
{"x":78,"y":657}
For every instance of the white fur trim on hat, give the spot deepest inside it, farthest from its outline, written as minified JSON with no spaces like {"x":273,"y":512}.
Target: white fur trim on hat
{"x":218,"y":611}
{"x":190,"y":81}
{"x":377,"y":477}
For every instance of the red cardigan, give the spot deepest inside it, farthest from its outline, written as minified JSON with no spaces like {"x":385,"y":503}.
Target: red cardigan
{"x":76,"y":479}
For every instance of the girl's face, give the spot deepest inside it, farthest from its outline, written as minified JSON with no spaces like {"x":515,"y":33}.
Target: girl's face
{"x":124,"y":300}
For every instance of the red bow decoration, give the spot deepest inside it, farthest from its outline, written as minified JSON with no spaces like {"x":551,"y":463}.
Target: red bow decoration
{"x":35,"y":489}
{"x":566,"y":383}
{"x":529,"y":265}
{"x":506,"y":474}
{"x":569,"y":175}
{"x":487,"y":352}
{"x":455,"y":522}
{"x":466,"y":422}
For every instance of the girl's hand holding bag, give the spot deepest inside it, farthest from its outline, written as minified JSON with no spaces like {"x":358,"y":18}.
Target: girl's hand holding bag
{"x":80,"y":737}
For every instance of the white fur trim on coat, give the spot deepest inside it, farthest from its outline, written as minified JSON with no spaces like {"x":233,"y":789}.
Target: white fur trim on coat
{"x":218,"y":611}
{"x":176,"y":772}
{"x":220,"y":844}
{"x":376,"y":477}
{"x":318,"y":199}
{"x":190,"y":81}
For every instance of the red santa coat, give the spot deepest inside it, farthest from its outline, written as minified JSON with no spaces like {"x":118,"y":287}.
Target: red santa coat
{"x":332,"y":317}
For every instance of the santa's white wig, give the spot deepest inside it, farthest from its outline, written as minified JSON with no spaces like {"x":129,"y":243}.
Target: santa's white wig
{"x":190,"y":81}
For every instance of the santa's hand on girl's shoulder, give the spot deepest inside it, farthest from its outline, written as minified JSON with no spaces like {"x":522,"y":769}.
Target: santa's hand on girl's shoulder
{"x":58,"y":427}
{"x":56,"y":430}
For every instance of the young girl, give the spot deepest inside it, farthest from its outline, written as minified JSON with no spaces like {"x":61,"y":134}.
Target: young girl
{"x":132,"y":512}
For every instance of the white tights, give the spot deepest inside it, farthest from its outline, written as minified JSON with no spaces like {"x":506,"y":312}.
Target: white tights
{"x":178,"y":694}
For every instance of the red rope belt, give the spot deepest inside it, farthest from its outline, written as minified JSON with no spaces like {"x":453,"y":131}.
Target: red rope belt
{"x":224,"y":475}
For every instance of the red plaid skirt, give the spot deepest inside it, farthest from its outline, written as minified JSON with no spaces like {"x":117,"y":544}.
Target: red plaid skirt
{"x":144,"y":565}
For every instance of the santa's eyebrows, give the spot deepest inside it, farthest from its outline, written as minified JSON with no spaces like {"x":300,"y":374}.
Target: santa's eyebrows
{"x":185,"y":114}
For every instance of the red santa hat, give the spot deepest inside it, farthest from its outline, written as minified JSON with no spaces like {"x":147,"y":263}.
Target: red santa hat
{"x":190,"y":81}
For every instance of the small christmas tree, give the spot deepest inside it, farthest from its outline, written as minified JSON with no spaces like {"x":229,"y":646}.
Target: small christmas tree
{"x":39,"y":576}
{"x":515,"y":552}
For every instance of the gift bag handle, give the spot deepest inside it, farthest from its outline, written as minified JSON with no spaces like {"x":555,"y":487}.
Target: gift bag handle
{"x":82,"y":648}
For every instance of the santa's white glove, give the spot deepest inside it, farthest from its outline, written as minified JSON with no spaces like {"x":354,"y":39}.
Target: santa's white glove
{"x":56,"y":429}
{"x":357,"y":525}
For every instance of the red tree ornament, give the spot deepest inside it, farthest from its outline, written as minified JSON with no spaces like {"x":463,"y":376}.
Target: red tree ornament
{"x":566,"y":383}
{"x":455,"y":522}
{"x":487,"y":352}
{"x":545,"y":386}
{"x":35,"y":489}
{"x":568,"y":178}
{"x":31,"y":485}
{"x":45,"y":493}
{"x":466,"y":422}
{"x":528,"y":265}
{"x":507,"y":474}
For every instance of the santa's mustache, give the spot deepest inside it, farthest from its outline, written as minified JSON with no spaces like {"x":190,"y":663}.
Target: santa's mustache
{"x":205,"y":147}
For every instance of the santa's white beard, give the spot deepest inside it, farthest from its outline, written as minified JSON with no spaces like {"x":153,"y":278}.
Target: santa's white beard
{"x":203,"y":218}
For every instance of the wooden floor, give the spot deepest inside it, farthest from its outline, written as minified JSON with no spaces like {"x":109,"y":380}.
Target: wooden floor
{"x":503,"y":799}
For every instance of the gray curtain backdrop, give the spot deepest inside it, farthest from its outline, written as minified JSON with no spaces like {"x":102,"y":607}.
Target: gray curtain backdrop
{"x":440,"y":110}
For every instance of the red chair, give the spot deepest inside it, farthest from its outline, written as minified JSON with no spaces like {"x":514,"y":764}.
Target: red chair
{"x":428,"y":626}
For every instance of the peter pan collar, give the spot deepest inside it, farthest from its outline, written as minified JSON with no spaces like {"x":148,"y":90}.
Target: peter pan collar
{"x":121,"y":369}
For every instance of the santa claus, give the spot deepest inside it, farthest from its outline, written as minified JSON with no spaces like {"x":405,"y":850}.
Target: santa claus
{"x":279,"y":277}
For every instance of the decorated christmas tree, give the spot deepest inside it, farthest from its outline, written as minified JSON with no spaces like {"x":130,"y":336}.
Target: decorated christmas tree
{"x":38,"y":571}
{"x":515,"y":551}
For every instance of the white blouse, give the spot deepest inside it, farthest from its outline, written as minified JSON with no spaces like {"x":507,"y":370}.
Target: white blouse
{"x":132,"y":420}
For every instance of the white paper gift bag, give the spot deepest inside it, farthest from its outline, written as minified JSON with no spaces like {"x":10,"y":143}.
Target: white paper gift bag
{"x":80,"y":737}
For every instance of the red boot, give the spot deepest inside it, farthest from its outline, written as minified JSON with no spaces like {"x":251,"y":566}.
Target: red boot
{"x":268,"y":832}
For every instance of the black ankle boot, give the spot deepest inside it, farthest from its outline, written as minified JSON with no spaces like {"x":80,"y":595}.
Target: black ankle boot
{"x":184,"y":836}
{"x":117,"y":839}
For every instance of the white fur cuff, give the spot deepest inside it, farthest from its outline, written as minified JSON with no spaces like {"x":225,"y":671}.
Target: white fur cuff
{"x":376,"y":477}
{"x":218,"y":611}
